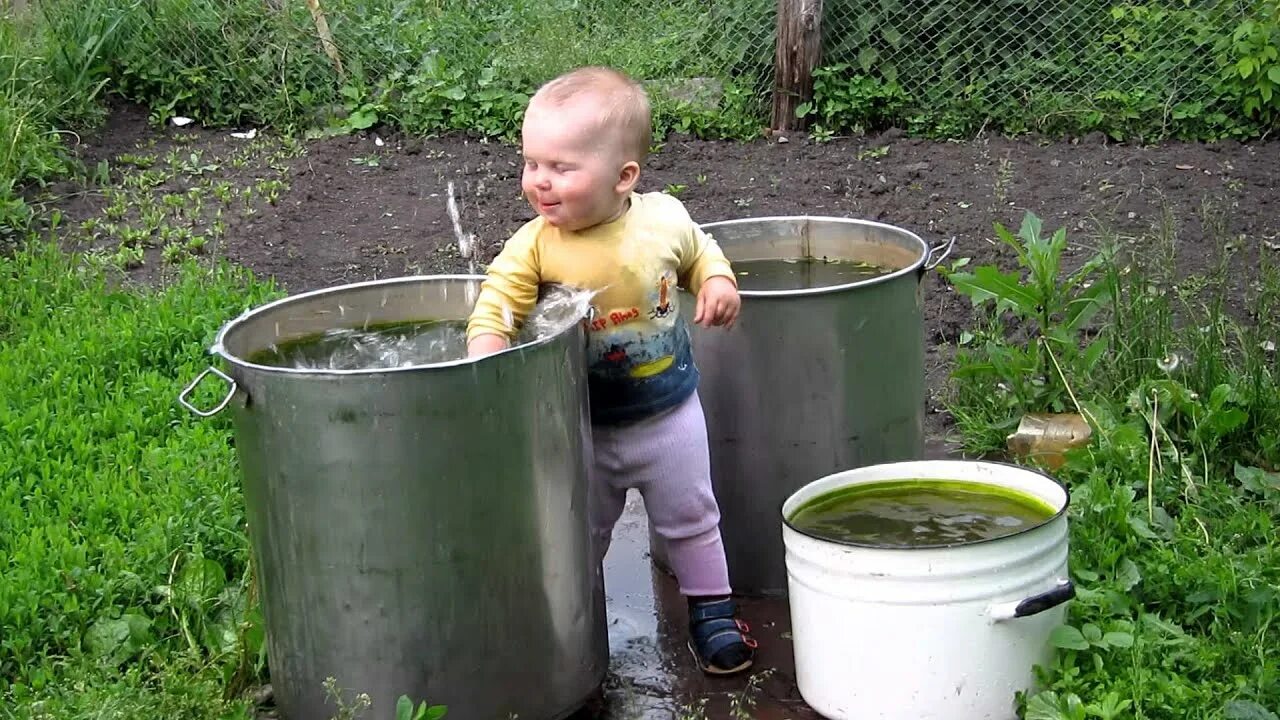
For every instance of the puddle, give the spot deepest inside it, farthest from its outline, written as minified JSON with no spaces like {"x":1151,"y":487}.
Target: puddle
{"x":652,"y":675}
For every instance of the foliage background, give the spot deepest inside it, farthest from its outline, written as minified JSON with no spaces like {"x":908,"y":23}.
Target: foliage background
{"x":1195,"y":69}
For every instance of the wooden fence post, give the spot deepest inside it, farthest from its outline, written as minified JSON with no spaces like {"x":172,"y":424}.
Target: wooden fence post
{"x":798,"y":52}
{"x":326,"y":37}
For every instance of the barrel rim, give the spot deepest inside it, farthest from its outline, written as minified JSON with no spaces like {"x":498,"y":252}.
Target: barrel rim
{"x":825,"y":290}
{"x":219,"y":348}
{"x":786,"y":521}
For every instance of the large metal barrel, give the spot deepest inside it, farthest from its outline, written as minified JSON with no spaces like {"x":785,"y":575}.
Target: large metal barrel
{"x":809,"y":382}
{"x":419,"y":530}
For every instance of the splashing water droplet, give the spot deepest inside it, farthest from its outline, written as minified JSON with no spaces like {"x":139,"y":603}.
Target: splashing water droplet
{"x":413,"y":344}
{"x":466,"y":241}
{"x":558,"y":307}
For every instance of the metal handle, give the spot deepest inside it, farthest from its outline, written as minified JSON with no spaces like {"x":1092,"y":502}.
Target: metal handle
{"x":231,"y":390}
{"x":944,"y":247}
{"x":1062,"y":592}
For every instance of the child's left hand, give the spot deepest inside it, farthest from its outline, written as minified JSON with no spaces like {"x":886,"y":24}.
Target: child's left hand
{"x":718,"y":303}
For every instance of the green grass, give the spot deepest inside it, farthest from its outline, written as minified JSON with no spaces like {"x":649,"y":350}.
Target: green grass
{"x":1175,"y":502}
{"x":121,"y":521}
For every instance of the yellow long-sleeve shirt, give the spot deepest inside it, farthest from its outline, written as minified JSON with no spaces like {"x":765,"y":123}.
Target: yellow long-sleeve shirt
{"x":639,"y":356}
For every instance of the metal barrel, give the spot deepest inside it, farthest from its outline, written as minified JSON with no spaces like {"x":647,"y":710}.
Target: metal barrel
{"x":809,"y":381}
{"x":422,"y":530}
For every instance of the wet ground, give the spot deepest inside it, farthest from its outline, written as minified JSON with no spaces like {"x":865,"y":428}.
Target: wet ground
{"x":652,"y":674}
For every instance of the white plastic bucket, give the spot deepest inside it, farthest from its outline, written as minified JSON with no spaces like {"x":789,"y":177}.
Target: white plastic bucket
{"x":941,"y":632}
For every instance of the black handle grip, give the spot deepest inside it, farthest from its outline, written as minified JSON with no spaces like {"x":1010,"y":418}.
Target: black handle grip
{"x":1045,"y":600}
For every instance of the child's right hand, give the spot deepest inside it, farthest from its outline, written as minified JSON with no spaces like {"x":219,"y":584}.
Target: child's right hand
{"x":486,"y":344}
{"x":718,"y":303}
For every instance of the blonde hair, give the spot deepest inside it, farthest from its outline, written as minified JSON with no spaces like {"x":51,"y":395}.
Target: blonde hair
{"x":624,"y":104}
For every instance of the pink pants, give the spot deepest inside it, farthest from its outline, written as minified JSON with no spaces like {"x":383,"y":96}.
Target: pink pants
{"x":666,"y":458}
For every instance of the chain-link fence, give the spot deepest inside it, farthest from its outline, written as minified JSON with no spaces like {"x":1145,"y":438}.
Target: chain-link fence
{"x":271,"y":60}
{"x":1065,"y":59}
{"x":465,"y":64}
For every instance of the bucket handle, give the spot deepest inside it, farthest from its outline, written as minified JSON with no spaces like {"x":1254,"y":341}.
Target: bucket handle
{"x":937,"y":254}
{"x":231,"y":391}
{"x":1063,"y":591}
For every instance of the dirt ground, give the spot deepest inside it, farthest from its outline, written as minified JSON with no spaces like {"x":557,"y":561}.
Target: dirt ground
{"x":356,"y":209}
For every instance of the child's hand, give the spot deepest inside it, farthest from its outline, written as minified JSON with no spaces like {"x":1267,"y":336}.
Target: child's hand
{"x":486,"y":344}
{"x":718,"y":303}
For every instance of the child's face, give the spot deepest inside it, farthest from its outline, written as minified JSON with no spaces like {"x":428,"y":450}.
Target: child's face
{"x":573,"y":169}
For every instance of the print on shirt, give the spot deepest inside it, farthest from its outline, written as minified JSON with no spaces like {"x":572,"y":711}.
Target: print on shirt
{"x":666,"y":287}
{"x":624,"y":349}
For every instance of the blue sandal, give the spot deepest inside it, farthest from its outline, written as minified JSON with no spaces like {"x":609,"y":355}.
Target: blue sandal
{"x":719,"y":641}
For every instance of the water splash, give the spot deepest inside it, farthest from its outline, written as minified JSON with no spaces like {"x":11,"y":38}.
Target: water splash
{"x":401,"y":345}
{"x":558,"y":307}
{"x":412,"y":344}
{"x":466,"y":241}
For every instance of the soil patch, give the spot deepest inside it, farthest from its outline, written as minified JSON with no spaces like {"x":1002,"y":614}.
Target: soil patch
{"x":357,"y":210}
{"x":370,"y":206}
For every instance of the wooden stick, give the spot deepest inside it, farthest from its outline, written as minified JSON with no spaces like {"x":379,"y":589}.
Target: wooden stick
{"x":798,"y":52}
{"x":326,"y":37}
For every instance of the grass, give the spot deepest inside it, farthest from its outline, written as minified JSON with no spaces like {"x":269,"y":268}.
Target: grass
{"x":1176,"y":500}
{"x":126,"y":583}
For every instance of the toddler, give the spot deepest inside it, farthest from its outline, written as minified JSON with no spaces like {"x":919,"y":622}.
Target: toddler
{"x":584,"y":137}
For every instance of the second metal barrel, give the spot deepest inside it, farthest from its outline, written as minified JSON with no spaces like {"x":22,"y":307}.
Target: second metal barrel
{"x":810,"y":381}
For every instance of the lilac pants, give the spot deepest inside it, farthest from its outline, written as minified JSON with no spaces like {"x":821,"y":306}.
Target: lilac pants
{"x":666,"y":458}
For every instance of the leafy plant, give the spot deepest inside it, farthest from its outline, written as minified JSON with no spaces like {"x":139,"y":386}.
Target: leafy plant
{"x":406,"y":711}
{"x":1050,"y":307}
{"x":846,"y":99}
{"x":1174,"y":503}
{"x":1249,"y":57}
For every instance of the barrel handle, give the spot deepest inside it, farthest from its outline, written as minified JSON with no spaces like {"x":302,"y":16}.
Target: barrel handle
{"x":944,"y":248}
{"x":1063,"y":591}
{"x":231,"y":391}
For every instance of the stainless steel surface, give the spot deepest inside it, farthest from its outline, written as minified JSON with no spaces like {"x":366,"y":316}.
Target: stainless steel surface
{"x":186,"y":393}
{"x":939,"y":252}
{"x":420,"y":531}
{"x":808,"y":382}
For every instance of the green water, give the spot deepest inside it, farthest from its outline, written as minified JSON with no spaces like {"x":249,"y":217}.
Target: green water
{"x":376,"y":347}
{"x":916,"y":513}
{"x":801,"y":273}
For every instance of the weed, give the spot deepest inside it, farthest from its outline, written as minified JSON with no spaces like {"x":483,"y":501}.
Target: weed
{"x":194,"y":165}
{"x":223,"y":192}
{"x":873,"y":153}
{"x":820,"y":134}
{"x":142,"y":162}
{"x":674,"y":190}
{"x":406,"y":711}
{"x":1175,"y":500}
{"x":741,"y":703}
{"x":171,"y":254}
{"x":1051,"y":307}
{"x":1003,"y":180}
{"x":696,"y":710}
